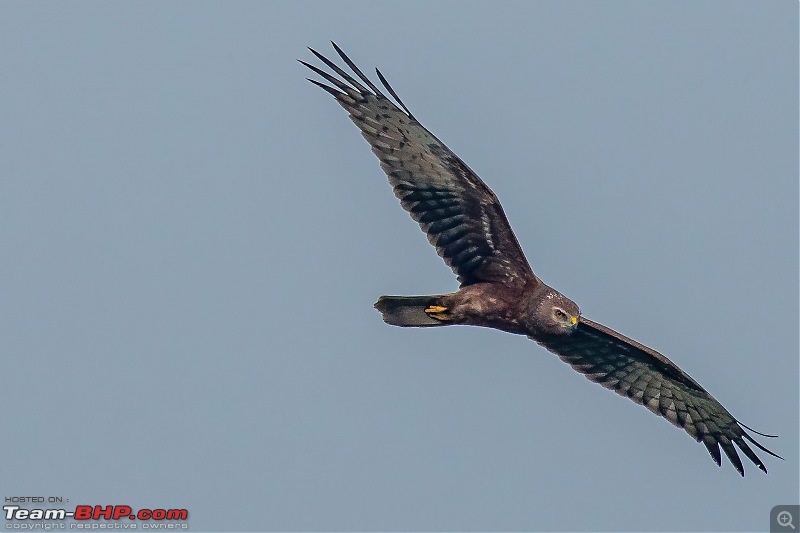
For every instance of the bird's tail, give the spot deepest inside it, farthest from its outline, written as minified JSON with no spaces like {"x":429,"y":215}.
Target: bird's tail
{"x":410,"y":310}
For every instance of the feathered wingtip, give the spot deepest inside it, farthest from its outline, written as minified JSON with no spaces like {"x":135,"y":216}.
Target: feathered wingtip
{"x":759,"y":446}
{"x":713,"y":445}
{"x":355,"y":89}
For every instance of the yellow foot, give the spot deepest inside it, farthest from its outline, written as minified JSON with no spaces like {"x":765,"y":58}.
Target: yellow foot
{"x":437,"y":311}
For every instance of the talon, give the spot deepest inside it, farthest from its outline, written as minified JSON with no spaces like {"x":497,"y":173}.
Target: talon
{"x":437,"y":311}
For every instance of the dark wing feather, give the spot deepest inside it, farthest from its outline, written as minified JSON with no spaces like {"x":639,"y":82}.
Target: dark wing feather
{"x":460,"y":214}
{"x":650,"y":379}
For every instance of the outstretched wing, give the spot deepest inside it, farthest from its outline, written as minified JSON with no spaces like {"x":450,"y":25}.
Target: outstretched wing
{"x":460,"y":214}
{"x":650,"y":379}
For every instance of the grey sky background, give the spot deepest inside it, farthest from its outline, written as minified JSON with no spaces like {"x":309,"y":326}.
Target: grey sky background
{"x":193,"y":237}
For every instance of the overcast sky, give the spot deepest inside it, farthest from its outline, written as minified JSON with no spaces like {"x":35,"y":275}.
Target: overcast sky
{"x":193,"y":237}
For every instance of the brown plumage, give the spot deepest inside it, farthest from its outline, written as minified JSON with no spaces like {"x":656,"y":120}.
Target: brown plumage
{"x":465,"y":223}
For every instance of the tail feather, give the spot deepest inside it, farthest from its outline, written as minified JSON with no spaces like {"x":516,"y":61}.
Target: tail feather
{"x":408,"y":310}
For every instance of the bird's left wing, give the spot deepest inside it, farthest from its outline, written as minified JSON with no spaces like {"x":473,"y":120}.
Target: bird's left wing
{"x":650,"y":379}
{"x":460,"y":214}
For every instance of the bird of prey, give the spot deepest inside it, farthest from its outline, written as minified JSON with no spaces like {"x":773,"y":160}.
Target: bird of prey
{"x":465,"y":223}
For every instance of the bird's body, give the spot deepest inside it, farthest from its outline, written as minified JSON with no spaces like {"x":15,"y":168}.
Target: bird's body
{"x":485,"y":304}
{"x":466,"y":224}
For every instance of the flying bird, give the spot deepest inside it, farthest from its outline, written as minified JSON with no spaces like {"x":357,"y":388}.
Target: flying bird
{"x":466,"y":224}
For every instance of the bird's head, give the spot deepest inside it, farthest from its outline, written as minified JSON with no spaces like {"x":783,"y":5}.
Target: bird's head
{"x":555,"y":314}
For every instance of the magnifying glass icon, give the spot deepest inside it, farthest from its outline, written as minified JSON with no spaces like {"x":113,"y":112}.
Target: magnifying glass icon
{"x":785,"y":519}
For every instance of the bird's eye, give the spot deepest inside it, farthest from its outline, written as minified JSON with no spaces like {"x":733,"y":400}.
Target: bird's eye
{"x":560,"y":313}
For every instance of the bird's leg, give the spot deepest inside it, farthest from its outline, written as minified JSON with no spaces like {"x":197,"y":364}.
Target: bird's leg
{"x":438,"y":312}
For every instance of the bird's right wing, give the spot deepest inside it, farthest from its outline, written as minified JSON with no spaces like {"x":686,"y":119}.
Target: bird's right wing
{"x":460,"y":214}
{"x":650,"y":379}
